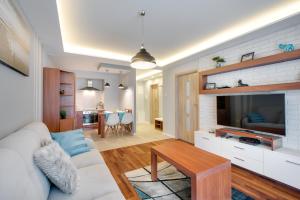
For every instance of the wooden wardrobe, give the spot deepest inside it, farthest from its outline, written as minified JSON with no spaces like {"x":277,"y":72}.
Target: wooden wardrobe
{"x":58,"y":94}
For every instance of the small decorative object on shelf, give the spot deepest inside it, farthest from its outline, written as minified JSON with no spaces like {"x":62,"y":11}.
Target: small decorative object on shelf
{"x":210,"y":86}
{"x":62,"y":92}
{"x":218,"y":61}
{"x":212,"y":131}
{"x":241,"y":84}
{"x":63,"y":114}
{"x":248,"y":56}
{"x":223,"y":87}
{"x":286,"y":47}
{"x":100,"y":105}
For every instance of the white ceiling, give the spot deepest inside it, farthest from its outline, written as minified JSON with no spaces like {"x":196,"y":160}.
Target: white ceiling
{"x":170,"y":25}
{"x":111,"y":28}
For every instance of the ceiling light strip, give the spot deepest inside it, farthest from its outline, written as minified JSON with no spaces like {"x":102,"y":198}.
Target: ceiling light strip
{"x":250,"y":25}
{"x":145,"y":75}
{"x":270,"y":17}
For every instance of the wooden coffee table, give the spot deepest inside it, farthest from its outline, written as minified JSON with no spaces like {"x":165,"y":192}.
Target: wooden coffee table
{"x":210,"y":174}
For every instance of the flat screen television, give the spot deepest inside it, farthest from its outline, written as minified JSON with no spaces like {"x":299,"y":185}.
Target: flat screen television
{"x":260,"y":112}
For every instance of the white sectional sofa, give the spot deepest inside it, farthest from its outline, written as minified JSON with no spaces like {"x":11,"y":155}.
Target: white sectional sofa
{"x":20,"y":178}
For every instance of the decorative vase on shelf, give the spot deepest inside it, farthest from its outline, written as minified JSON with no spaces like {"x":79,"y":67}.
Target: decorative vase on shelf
{"x":286,"y":47}
{"x":63,"y":114}
{"x":219,"y":64}
{"x":219,"y":61}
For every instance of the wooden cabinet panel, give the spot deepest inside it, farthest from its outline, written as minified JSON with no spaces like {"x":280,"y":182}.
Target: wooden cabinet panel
{"x":67,"y":77}
{"x":79,"y":119}
{"x":66,"y":101}
{"x":51,"y":101}
{"x":58,"y":94}
{"x":66,"y":124}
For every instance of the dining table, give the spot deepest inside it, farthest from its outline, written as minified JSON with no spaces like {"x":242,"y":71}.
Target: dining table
{"x":103,"y":116}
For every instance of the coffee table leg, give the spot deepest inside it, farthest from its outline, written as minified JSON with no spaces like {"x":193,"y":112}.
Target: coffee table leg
{"x":153,"y":166}
{"x":194,"y":188}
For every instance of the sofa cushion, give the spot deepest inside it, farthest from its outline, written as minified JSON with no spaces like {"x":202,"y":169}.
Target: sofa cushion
{"x":95,"y":181}
{"x":86,"y":159}
{"x":57,"y":165}
{"x":90,"y":143}
{"x":73,"y":142}
{"x":25,"y":142}
{"x":15,"y":182}
{"x":40,"y":129}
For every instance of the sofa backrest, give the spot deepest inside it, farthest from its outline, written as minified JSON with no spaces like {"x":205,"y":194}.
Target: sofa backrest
{"x":20,"y":177}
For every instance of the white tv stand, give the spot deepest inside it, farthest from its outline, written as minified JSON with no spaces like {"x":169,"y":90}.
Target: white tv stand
{"x":282,"y":164}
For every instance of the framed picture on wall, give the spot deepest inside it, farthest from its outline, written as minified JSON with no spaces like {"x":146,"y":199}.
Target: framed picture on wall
{"x":15,"y":39}
{"x":210,"y":86}
{"x":248,"y":56}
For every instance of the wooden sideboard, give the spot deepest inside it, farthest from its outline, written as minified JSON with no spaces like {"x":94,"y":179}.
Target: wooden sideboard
{"x":58,"y":94}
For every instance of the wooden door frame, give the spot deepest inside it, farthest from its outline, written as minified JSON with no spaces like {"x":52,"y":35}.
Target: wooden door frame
{"x":176,"y":101}
{"x":151,"y":101}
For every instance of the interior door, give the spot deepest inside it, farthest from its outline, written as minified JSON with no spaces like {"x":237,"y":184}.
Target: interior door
{"x":154,"y":103}
{"x":188,"y":89}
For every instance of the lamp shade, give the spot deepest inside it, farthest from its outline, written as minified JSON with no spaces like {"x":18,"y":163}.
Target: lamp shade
{"x":143,"y":60}
{"x":121,"y":86}
{"x":106,"y":85}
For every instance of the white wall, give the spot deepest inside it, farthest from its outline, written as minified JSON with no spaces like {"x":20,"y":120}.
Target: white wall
{"x":276,"y":73}
{"x":143,"y":98}
{"x":111,"y":94}
{"x":128,"y":96}
{"x":140,"y":102}
{"x":20,"y":99}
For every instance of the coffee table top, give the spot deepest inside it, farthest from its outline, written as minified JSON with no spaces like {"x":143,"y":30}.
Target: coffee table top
{"x":191,"y":160}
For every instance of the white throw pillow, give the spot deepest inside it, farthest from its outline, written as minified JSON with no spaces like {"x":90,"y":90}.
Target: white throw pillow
{"x":57,"y":166}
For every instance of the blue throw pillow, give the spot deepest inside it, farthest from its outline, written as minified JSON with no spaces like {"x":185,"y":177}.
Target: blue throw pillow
{"x":73,"y":142}
{"x":255,"y":118}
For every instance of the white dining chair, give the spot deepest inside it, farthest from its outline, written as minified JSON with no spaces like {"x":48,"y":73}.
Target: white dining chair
{"x":126,"y":122}
{"x":112,"y":123}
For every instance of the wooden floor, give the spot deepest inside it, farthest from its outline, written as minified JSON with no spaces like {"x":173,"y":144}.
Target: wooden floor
{"x":125,"y":159}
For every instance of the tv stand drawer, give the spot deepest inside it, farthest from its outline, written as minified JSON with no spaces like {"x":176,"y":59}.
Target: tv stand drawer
{"x":247,"y":163}
{"x":208,"y":142}
{"x":282,"y":167}
{"x":244,"y":150}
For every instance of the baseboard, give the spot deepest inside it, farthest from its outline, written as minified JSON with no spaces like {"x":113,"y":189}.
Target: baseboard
{"x":169,"y":135}
{"x":143,"y":122}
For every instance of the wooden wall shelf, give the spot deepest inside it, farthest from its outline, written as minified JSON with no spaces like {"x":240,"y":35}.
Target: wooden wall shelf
{"x":277,"y":58}
{"x":258,"y":88}
{"x":275,"y":142}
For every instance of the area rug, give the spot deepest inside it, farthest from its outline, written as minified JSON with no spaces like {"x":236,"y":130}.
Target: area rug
{"x":172,"y":184}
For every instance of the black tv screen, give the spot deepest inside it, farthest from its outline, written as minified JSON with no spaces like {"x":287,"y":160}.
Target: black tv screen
{"x":263,"y":112}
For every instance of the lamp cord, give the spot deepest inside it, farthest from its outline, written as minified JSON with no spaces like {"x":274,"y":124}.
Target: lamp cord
{"x":142,"y":14}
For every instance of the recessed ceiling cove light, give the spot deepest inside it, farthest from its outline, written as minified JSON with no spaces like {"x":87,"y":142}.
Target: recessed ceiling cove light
{"x":268,"y":17}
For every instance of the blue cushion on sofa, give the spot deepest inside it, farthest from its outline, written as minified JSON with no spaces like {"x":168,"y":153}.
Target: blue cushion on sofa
{"x":255,"y":118}
{"x":73,"y":142}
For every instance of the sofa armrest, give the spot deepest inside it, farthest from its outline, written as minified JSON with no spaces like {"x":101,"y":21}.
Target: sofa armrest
{"x":90,"y":143}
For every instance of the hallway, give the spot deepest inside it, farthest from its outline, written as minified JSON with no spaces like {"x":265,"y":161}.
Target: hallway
{"x":145,"y":133}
